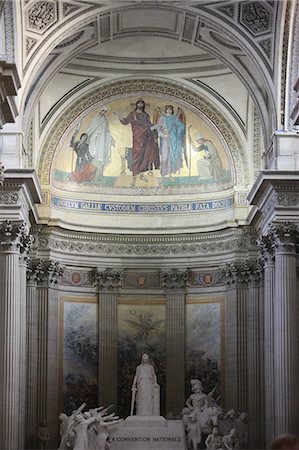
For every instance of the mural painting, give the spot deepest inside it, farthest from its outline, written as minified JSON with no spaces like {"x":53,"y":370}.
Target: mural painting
{"x":79,"y":354}
{"x":203,"y":345}
{"x":153,"y":142}
{"x":141,"y":329}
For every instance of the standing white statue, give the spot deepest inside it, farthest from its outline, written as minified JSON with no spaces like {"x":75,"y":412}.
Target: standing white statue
{"x":145,"y":390}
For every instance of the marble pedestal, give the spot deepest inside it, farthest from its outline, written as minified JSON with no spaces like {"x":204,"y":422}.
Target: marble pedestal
{"x":148,"y":433}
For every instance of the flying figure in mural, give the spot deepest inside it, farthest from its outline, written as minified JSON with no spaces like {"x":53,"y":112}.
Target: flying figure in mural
{"x":144,"y":325}
{"x":209,"y":165}
{"x":84,"y":169}
{"x":145,"y":390}
{"x":171,"y":130}
{"x":100,"y":142}
{"x":145,"y":151}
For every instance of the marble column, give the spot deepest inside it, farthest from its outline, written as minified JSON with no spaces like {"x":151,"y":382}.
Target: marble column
{"x":109,"y":281}
{"x":255,"y":335}
{"x":286,"y":325}
{"x":42,"y":352}
{"x":174,"y":283}
{"x":266,"y":248}
{"x":237,"y":278}
{"x":11,"y":329}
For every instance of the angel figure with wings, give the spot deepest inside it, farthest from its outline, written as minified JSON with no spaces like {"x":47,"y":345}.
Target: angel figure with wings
{"x":171,"y":131}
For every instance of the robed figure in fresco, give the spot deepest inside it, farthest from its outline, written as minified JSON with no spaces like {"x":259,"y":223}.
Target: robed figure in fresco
{"x":100,"y":142}
{"x":84,"y":169}
{"x":210,"y":166}
{"x":145,"y":151}
{"x":171,"y":130}
{"x":145,"y":390}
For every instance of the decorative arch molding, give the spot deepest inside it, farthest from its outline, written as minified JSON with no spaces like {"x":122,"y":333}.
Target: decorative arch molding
{"x":195,"y":100}
{"x":190,"y":25}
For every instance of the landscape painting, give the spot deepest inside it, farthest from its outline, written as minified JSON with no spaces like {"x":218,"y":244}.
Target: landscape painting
{"x":141,"y":328}
{"x":203,"y":345}
{"x":156,"y":143}
{"x":79,"y":354}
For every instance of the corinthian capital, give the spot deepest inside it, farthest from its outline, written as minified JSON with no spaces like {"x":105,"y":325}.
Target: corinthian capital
{"x":11,"y":235}
{"x":44,"y":273}
{"x":285,"y":236}
{"x":109,"y":278}
{"x":175,"y":279}
{"x":266,"y":246}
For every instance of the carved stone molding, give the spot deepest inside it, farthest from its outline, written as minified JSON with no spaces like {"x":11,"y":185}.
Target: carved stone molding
{"x":9,"y":198}
{"x":132,"y":245}
{"x":109,"y":278}
{"x":2,"y":176}
{"x":12,"y":235}
{"x":44,"y":273}
{"x":175,"y":279}
{"x":41,"y":16}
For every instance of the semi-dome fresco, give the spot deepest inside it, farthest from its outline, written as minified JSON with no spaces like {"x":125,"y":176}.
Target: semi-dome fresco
{"x":150,"y":144}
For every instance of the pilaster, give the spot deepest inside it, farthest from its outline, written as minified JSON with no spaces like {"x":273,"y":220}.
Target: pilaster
{"x":109,"y":281}
{"x":237,"y":279}
{"x":266,"y":248}
{"x":255,"y":343}
{"x":42,"y":338}
{"x":174,"y":283}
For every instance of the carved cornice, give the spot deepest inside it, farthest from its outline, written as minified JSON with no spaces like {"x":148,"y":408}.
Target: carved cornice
{"x":237,"y":240}
{"x":44,"y":273}
{"x":108,"y":278}
{"x":175,"y":279}
{"x":13,"y":236}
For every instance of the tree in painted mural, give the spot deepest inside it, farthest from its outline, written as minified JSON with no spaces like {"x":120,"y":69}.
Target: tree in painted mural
{"x":141,"y":330}
{"x":80,"y":360}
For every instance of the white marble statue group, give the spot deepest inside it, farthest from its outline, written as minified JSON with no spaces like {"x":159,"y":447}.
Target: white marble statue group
{"x":86,"y":430}
{"x":207,"y":423}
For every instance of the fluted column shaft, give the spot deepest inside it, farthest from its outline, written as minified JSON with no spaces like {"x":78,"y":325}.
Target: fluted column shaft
{"x":109,"y":281}
{"x":32,"y":364}
{"x":269,"y":330}
{"x":286,"y":314}
{"x":174,"y":282}
{"x":241,"y":317}
{"x":108,"y":347}
{"x":255,"y":367}
{"x":10,"y":351}
{"x":42,"y":339}
{"x":236,"y":277}
{"x":175,"y":351}
{"x":23,"y":348}
{"x":13,"y":236}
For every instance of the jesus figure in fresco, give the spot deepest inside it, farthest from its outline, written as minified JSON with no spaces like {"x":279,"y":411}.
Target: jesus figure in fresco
{"x":145,"y":150}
